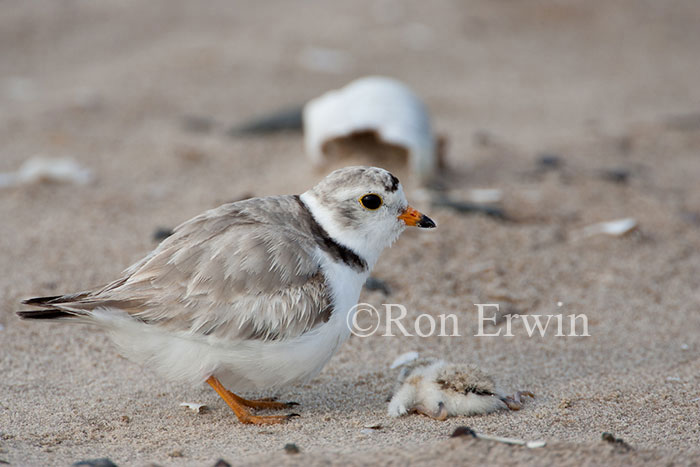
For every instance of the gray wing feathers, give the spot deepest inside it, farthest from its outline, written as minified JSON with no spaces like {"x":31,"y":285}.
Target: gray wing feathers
{"x":244,"y":270}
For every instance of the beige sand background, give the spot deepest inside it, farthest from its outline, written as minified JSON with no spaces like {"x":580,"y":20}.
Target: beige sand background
{"x":602,"y":84}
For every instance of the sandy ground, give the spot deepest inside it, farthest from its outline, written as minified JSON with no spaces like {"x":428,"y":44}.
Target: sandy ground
{"x":602,"y":84}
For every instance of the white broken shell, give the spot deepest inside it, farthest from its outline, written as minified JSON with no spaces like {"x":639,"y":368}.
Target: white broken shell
{"x":193,"y":406}
{"x":40,"y":169}
{"x":616,"y":228}
{"x":374,"y":106}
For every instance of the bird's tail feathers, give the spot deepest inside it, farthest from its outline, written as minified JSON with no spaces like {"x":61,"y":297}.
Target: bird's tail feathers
{"x":52,"y":307}
{"x":51,"y":313}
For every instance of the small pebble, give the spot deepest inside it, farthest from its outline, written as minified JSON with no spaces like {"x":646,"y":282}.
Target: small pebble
{"x":463,"y":431}
{"x":547,"y":161}
{"x":619,"y":443}
{"x":176,"y":453}
{"x":373,"y":283}
{"x":222,"y":463}
{"x":161,"y":233}
{"x":101,"y":462}
{"x":616,"y":175}
{"x":291,"y":448}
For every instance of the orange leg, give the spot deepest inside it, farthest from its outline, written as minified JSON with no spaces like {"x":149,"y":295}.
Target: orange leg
{"x":262,"y":403}
{"x":238,"y":407}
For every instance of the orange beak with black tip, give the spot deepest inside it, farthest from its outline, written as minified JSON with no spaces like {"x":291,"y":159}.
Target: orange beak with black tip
{"x":412,"y":217}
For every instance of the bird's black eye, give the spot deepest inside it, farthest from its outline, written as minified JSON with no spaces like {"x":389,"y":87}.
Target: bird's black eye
{"x":371,"y":201}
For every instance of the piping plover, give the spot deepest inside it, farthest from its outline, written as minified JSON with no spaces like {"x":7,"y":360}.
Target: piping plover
{"x":253,"y":295}
{"x":440,"y":389}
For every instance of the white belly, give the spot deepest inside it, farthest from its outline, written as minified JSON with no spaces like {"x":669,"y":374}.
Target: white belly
{"x":272,"y":364}
{"x":249,"y":365}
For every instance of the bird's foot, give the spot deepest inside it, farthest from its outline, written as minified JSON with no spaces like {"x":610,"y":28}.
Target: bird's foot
{"x":265,"y":403}
{"x":238,"y":405}
{"x":514,"y":402}
{"x":439,"y":414}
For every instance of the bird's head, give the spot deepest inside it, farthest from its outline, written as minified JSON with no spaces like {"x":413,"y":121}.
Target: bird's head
{"x":363,"y":208}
